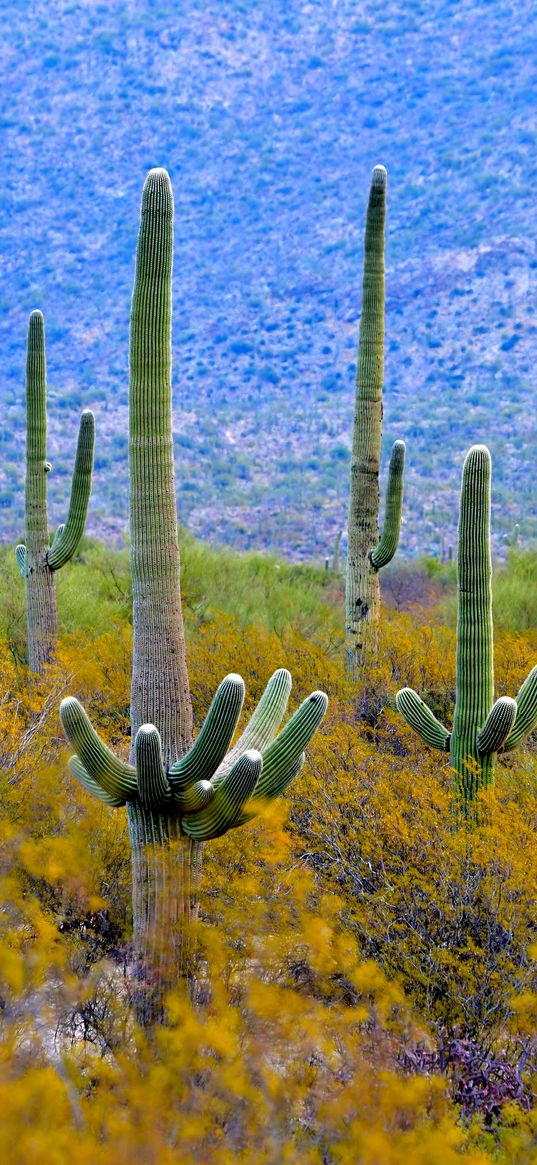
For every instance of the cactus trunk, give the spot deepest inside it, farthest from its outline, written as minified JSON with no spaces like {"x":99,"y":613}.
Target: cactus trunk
{"x":40,"y":590}
{"x":160,"y":692}
{"x":166,"y":872}
{"x":475,"y":651}
{"x":362,"y":598}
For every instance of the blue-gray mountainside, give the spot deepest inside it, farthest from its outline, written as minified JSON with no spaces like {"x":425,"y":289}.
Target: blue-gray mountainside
{"x":269,"y":118}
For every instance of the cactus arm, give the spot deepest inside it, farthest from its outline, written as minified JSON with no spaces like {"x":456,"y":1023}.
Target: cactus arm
{"x":391,"y":529}
{"x":214,"y":738}
{"x":194,"y":797}
{"x":419,"y":717}
{"x":20,"y":555}
{"x":253,"y":810}
{"x":58,"y":535}
{"x":77,"y":769}
{"x":112,"y":775}
{"x":497,"y":726}
{"x":265,"y":721}
{"x":232,"y":794}
{"x":526,"y":717}
{"x":282,"y":755}
{"x":153,"y":786}
{"x":67,"y":538}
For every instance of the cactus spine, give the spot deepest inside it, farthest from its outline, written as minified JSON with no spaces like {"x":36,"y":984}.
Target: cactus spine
{"x":481,"y":728}
{"x":178,"y":795}
{"x":366,"y":554}
{"x":37,"y":559}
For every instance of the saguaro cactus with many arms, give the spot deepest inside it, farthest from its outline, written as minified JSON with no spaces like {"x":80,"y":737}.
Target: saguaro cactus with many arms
{"x":37,"y":559}
{"x":178,"y":795}
{"x":481,"y":728}
{"x":366,"y":555}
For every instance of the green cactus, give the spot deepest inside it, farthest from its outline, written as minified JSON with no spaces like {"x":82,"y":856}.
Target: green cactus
{"x":481,"y":728}
{"x":160,"y":690}
{"x":37,"y":559}
{"x":512,"y":539}
{"x":178,"y":794}
{"x":336,"y":560}
{"x":367,"y":555}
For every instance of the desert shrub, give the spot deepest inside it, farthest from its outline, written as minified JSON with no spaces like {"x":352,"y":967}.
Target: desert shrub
{"x":336,"y":936}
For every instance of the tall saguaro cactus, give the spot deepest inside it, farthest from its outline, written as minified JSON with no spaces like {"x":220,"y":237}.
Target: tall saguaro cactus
{"x":37,"y":559}
{"x":481,"y":728}
{"x":177,"y":795}
{"x":160,"y":691}
{"x":367,"y":555}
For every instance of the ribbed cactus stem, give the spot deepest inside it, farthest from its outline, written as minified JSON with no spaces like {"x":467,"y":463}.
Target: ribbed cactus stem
{"x":36,"y":559}
{"x":384,"y":552}
{"x":160,"y":692}
{"x":475,"y":654}
{"x":160,"y":695}
{"x":165,"y":903}
{"x":481,"y":728}
{"x":40,"y":590}
{"x":68,"y":535}
{"x":365,"y":555}
{"x":526,"y":717}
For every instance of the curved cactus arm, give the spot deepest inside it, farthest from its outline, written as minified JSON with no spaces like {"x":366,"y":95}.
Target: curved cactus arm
{"x":265,"y":721}
{"x":286,"y":778}
{"x":20,"y":555}
{"x":232,"y":794}
{"x":153,"y":785}
{"x":526,"y":717}
{"x":419,"y":716}
{"x":214,"y":738}
{"x":283,"y":754}
{"x":76,"y":767}
{"x":66,"y":542}
{"x":391,"y":529}
{"x":497,"y":726}
{"x":194,"y":797}
{"x":112,"y":775}
{"x":58,"y":535}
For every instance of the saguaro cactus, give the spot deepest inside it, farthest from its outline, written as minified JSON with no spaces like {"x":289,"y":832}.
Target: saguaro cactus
{"x":177,"y":795}
{"x":159,"y":692}
{"x":481,"y":728}
{"x":37,"y":559}
{"x":366,"y":555}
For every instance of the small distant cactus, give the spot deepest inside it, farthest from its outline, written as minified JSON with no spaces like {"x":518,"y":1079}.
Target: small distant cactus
{"x":336,"y":560}
{"x":37,"y":559}
{"x":512,"y":539}
{"x":366,"y":555}
{"x":481,"y":728}
{"x":178,"y":794}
